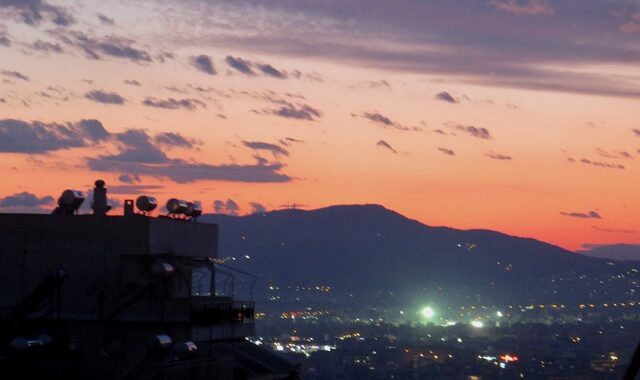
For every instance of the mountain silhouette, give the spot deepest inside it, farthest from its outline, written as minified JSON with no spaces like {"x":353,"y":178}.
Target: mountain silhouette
{"x":367,"y":252}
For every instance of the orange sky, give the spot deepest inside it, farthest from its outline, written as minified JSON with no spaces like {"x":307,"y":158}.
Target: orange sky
{"x":555,"y":142}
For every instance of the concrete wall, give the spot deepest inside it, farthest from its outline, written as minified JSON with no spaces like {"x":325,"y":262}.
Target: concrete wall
{"x":91,"y":249}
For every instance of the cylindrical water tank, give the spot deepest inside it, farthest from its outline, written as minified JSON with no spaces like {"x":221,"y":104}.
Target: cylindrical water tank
{"x":162,"y":341}
{"x":71,"y":199}
{"x":162,"y":269}
{"x":176,"y":206}
{"x":187,"y":347}
{"x":146,"y":203}
{"x":194,"y":209}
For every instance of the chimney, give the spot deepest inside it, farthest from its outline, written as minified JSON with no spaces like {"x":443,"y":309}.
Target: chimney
{"x":100,"y":205}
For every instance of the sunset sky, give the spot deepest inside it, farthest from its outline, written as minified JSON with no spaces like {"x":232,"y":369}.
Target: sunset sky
{"x":521,"y":116}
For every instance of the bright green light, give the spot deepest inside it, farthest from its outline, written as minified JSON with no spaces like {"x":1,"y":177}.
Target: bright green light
{"x":427,"y":312}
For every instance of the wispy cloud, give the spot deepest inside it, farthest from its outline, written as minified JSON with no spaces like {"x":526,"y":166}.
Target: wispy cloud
{"x":446,"y":151}
{"x":47,"y":47}
{"x":127,"y":178}
{"x":203,"y":63}
{"x":271,"y":71}
{"x":523,"y":7}
{"x":445,"y":96}
{"x":34,"y":12}
{"x":24,"y":200}
{"x":583,"y":215}
{"x":15,"y":74}
{"x":600,"y":164}
{"x":384,"y":121}
{"x":613,"y":230}
{"x":359,"y":32}
{"x":300,"y":111}
{"x":105,"y":19}
{"x":99,"y":47}
{"x":228,"y":207}
{"x":498,"y":156}
{"x":614,"y":154}
{"x":172,"y":140}
{"x":257,"y":208}
{"x":241,"y":65}
{"x":478,"y":132}
{"x":17,"y":136}
{"x":173,"y":104}
{"x":274,"y":149}
{"x":386,"y":145}
{"x":105,"y":97}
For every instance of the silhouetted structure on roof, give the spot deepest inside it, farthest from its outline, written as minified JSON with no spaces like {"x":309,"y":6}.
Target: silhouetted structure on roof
{"x":120,"y":297}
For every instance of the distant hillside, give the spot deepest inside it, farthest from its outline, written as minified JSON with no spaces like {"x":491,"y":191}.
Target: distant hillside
{"x":364,"y":250}
{"x":620,"y":252}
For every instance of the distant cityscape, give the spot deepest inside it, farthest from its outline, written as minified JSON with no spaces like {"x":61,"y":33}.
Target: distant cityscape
{"x":420,"y":302}
{"x":581,"y":341}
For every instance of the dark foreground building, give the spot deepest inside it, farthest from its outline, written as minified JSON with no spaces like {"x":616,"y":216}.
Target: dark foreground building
{"x":121,"y":297}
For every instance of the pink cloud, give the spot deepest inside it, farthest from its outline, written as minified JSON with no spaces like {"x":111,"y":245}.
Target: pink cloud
{"x":630,"y":27}
{"x":523,"y":7}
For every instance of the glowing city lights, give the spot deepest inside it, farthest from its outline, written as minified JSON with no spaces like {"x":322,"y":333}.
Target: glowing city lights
{"x":428,"y":312}
{"x":477,"y":324}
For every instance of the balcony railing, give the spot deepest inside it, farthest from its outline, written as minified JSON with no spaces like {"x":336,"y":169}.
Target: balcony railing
{"x":213,"y":310}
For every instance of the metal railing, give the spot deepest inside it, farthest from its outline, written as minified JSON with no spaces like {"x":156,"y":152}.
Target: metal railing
{"x":213,"y":310}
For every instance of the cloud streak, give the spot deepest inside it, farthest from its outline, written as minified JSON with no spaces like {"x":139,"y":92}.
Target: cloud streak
{"x":25,"y":200}
{"x":582,"y":215}
{"x":17,"y":136}
{"x":104,"y":97}
{"x":387,"y":146}
{"x":446,"y":97}
{"x":477,"y":132}
{"x":98,"y":47}
{"x":498,"y":156}
{"x":174,"y":104}
{"x":274,"y":149}
{"x":601,"y":164}
{"x":358,"y":32}
{"x":446,"y":151}
{"x":204,"y":64}
{"x":15,"y":75}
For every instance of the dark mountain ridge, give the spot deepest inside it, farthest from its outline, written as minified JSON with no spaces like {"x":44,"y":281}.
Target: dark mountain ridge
{"x":368,"y":249}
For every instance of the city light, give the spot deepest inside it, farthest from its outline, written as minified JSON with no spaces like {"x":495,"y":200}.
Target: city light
{"x":477,"y":324}
{"x":428,"y":312}
{"x":499,"y":314}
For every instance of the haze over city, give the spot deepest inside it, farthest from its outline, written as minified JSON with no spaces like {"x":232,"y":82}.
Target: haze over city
{"x":515,"y":116}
